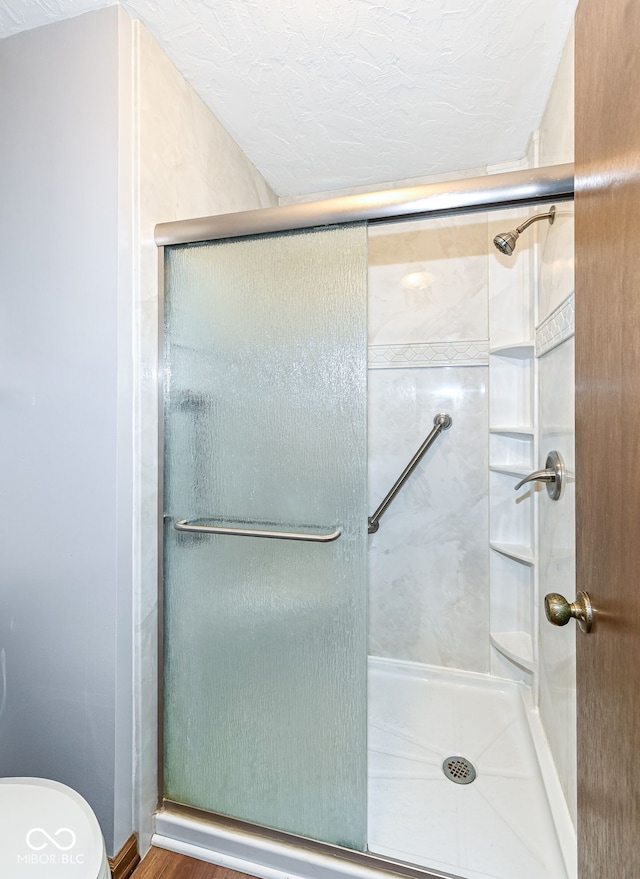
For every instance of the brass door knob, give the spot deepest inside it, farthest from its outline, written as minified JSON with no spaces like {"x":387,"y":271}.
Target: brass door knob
{"x":559,"y":611}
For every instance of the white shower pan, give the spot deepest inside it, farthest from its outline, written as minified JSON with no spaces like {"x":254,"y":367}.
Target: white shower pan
{"x":503,"y":824}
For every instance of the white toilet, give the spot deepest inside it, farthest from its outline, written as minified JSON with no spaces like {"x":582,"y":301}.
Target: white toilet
{"x":47,"y":830}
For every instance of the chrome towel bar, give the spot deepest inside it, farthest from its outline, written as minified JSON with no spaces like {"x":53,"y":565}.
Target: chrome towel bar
{"x":185,"y":525}
{"x":441,"y":422}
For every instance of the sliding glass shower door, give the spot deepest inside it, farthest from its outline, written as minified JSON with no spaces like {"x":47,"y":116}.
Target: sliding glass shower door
{"x":265,"y":431}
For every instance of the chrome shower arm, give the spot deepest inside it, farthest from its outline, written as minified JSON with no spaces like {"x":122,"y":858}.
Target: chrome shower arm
{"x":550,"y":215}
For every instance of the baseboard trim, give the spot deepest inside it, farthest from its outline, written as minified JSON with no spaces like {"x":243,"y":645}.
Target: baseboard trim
{"x":124,"y":862}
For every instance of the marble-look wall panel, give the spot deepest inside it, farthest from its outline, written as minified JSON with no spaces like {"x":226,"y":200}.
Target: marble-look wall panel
{"x":428,"y":568}
{"x":557,"y":566}
{"x":428,"y":281}
{"x":189,"y":166}
{"x":556,"y":264}
{"x":556,"y":550}
{"x":556,"y":132}
{"x":510,"y":302}
{"x":555,"y":146}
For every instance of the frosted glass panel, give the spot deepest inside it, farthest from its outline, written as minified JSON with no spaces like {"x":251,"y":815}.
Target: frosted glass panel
{"x":265,"y":426}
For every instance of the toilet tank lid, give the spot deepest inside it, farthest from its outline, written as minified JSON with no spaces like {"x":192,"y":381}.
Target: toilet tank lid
{"x":44,"y":821}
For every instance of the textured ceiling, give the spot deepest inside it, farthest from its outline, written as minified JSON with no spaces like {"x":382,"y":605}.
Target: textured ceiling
{"x":324,"y":94}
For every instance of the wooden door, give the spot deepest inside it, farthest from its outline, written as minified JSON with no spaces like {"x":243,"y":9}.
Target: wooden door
{"x":608,"y":434}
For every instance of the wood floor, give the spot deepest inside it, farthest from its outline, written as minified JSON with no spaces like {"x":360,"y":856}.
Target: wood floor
{"x":161,"y":864}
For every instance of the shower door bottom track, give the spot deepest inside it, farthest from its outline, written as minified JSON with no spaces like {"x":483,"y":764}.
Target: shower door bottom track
{"x":265,"y":853}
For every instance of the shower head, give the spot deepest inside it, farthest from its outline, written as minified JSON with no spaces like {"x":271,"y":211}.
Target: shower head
{"x":506,"y":241}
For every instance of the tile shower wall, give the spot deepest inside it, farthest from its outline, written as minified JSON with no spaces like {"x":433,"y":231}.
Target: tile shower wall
{"x":429,"y":595}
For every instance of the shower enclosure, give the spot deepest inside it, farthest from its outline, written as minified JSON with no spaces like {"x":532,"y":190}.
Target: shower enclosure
{"x":280,"y":398}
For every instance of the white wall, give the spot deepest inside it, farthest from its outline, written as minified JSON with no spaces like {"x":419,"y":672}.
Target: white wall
{"x":65,"y":363}
{"x":101,"y":139}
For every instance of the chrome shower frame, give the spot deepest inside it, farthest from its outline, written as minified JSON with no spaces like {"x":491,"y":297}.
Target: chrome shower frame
{"x":237,"y":838}
{"x":473,"y":195}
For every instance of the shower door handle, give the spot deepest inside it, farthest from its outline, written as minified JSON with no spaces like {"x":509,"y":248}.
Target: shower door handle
{"x":553,"y":475}
{"x":193,"y":528}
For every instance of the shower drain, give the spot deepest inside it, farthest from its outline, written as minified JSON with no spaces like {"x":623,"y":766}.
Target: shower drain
{"x":459,"y":769}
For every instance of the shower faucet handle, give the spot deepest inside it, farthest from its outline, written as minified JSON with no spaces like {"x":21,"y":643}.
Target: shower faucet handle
{"x":554,"y":475}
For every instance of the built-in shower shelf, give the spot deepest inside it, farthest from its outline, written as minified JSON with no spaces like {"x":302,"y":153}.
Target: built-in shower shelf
{"x":516,"y":646}
{"x":517,"y":351}
{"x":516,"y":551}
{"x":512,"y":431}
{"x":510,"y":470}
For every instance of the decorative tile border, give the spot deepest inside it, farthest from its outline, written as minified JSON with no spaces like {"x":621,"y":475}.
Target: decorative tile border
{"x":559,"y":326}
{"x":421,"y":354}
